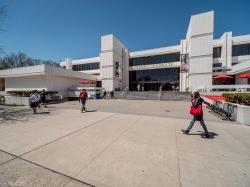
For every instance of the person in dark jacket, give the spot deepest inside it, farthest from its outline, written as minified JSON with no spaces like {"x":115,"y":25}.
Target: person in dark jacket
{"x":43,"y":97}
{"x":82,"y":98}
{"x":196,"y":101}
{"x":112,"y":94}
{"x":104,"y":94}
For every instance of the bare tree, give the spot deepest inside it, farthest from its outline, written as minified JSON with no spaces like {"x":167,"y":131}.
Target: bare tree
{"x":21,"y":60}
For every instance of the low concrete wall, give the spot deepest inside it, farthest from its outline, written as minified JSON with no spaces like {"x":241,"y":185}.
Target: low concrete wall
{"x":243,"y":114}
{"x":154,"y":95}
{"x":13,"y":100}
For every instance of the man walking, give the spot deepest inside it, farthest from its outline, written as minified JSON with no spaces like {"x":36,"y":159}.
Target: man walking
{"x":43,"y":98}
{"x":82,"y":98}
{"x":104,"y":94}
{"x":34,"y":100}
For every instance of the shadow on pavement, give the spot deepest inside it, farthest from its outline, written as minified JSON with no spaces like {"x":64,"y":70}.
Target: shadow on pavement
{"x":91,"y":110}
{"x":11,"y":115}
{"x":212,"y":135}
{"x":43,"y":113}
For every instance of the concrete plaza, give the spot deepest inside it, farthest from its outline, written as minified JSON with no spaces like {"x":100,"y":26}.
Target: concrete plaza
{"x":120,"y":143}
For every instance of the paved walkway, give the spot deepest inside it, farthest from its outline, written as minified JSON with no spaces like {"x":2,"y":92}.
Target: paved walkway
{"x":128,"y":143}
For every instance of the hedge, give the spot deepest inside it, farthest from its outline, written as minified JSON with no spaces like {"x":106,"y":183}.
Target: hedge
{"x":239,"y":98}
{"x":26,"y":93}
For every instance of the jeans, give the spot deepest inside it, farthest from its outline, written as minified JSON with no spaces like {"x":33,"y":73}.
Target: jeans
{"x":201,"y":122}
{"x":83,"y":105}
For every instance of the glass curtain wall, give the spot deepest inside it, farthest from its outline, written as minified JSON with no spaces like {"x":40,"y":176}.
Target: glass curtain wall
{"x":154,"y":79}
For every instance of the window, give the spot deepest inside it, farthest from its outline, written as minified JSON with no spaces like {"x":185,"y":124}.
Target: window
{"x":240,"y":50}
{"x":84,"y":67}
{"x":156,"y":59}
{"x":217,"y":65}
{"x":155,"y":75}
{"x":217,"y":52}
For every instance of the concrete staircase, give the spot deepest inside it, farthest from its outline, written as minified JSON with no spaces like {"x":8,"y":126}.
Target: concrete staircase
{"x":154,"y":95}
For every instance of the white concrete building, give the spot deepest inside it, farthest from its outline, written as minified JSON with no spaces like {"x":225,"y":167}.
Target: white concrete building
{"x":43,"y":77}
{"x":190,"y":65}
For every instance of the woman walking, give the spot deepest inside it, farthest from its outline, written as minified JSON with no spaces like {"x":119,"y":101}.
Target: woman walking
{"x":196,"y":111}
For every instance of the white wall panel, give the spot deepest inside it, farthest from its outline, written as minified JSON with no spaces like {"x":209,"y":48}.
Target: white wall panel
{"x":56,"y":83}
{"x":201,"y":46}
{"x":106,"y":59}
{"x":108,"y":85}
{"x":202,"y":23}
{"x":26,"y":83}
{"x":107,"y":42}
{"x":113,"y":51}
{"x":201,"y":65}
{"x":107,"y":73}
{"x":226,"y":49}
{"x":200,"y":81}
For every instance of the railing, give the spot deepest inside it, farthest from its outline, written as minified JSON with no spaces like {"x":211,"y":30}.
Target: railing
{"x":239,"y":86}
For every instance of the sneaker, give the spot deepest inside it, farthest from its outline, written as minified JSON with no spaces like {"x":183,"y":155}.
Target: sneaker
{"x":184,"y":131}
{"x":207,"y":135}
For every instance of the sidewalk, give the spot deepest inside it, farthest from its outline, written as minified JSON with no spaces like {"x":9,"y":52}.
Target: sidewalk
{"x":121,"y":149}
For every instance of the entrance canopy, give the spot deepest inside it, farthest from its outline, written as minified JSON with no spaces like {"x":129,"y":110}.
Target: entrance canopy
{"x":222,"y":77}
{"x":244,"y":75}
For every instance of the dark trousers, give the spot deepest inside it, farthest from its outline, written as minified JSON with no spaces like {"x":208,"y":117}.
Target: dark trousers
{"x":201,"y":122}
{"x":83,"y":105}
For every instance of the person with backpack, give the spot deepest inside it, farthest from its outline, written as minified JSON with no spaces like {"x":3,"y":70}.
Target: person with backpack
{"x":43,"y":98}
{"x":197,"y":112}
{"x":82,"y":98}
{"x":34,"y":100}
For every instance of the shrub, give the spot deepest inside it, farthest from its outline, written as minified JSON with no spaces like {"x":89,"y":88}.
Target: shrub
{"x":26,"y":93}
{"x":239,"y":98}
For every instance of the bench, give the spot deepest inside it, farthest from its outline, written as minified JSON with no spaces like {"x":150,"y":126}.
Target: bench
{"x":225,"y":110}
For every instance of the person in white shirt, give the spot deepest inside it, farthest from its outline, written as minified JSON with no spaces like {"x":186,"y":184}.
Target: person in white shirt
{"x":34,"y":100}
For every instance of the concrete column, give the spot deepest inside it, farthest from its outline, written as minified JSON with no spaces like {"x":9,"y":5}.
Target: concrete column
{"x":114,"y":63}
{"x":200,"y":48}
{"x":184,"y":74}
{"x":68,"y":63}
{"x":226,"y":49}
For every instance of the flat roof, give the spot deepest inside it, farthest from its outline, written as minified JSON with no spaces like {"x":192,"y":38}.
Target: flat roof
{"x":44,"y":70}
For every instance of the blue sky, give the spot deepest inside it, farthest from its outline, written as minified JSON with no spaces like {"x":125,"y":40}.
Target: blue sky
{"x":56,"y":29}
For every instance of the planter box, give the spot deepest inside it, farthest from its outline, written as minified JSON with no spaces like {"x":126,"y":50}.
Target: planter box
{"x":14,"y":100}
{"x":243,"y":114}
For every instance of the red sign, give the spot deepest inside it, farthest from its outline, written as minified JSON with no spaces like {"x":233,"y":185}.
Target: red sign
{"x":84,"y":81}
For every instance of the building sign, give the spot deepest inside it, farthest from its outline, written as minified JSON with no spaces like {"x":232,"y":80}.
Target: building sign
{"x":118,"y":78}
{"x":184,"y":67}
{"x":155,"y":66}
{"x":117,"y":69}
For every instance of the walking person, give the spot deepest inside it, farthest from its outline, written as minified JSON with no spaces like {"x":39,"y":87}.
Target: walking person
{"x":34,"y":100}
{"x":197,"y":112}
{"x":138,"y":87}
{"x":82,"y":98}
{"x":104,"y":94}
{"x":112,"y":94}
{"x":142,"y":88}
{"x":43,"y":98}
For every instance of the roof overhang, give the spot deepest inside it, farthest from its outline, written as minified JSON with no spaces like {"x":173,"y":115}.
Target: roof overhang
{"x":44,"y":70}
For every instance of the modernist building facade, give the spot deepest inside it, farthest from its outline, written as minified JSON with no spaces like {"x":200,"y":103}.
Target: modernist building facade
{"x":190,"y":65}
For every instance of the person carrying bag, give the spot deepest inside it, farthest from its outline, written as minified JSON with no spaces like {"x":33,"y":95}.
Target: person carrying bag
{"x":197,"y":112}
